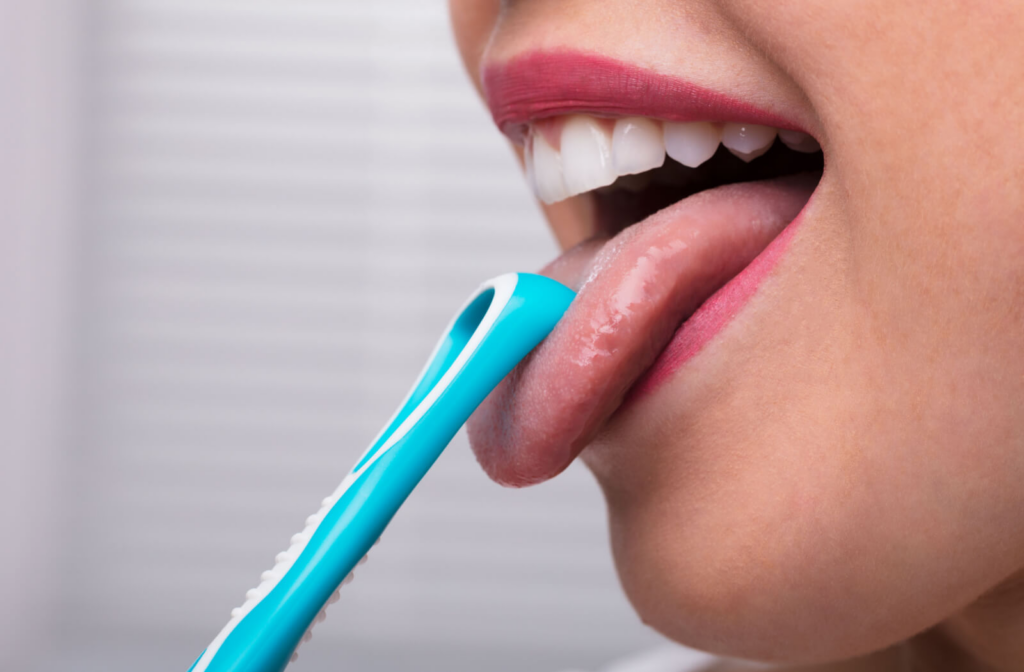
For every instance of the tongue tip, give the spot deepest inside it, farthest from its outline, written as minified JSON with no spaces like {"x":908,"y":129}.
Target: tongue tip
{"x":508,"y":464}
{"x":510,"y":451}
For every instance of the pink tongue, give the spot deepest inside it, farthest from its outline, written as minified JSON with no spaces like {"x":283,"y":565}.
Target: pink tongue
{"x":634,"y":292}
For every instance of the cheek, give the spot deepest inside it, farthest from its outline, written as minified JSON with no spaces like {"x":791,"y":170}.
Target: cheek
{"x":472,"y":23}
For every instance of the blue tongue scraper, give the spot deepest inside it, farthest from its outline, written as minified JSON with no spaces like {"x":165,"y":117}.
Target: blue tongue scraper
{"x":499,"y":325}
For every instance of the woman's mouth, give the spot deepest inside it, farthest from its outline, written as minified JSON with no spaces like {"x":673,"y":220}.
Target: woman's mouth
{"x":688,"y":212}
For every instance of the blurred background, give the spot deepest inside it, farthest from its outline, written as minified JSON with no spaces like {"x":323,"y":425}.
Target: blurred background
{"x":231,"y":232}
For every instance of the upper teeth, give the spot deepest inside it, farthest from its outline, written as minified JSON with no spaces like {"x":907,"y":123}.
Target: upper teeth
{"x":586,"y":155}
{"x":692,"y":144}
{"x":593,"y":152}
{"x":637,"y":146}
{"x":748,"y":141}
{"x":801,"y":142}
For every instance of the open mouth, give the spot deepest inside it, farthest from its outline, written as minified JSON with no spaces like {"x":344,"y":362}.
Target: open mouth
{"x":693,"y":199}
{"x":636,"y":166}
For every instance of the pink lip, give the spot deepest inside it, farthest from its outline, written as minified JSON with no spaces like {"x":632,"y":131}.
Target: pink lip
{"x":545,"y":84}
{"x":650,"y":298}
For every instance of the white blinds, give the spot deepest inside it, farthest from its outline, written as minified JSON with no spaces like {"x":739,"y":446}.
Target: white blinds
{"x":289,"y":199}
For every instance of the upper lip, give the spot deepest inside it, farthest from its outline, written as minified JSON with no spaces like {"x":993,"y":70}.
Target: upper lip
{"x":536,"y":85}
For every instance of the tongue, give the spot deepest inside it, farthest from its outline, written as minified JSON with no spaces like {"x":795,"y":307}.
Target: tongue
{"x":634,"y":292}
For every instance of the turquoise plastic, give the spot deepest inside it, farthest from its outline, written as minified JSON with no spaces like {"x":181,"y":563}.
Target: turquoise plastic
{"x":265,"y":638}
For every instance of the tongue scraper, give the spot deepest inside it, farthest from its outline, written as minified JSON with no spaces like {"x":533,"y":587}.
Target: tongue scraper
{"x":498,"y":325}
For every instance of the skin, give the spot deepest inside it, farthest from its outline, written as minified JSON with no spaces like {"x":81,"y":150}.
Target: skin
{"x":835,"y":481}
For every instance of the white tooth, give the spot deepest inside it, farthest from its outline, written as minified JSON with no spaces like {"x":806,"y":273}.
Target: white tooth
{"x":586,"y":155}
{"x":748,"y":141}
{"x":799,"y":142}
{"x":637,"y":146}
{"x":547,"y":171}
{"x":691,"y":143}
{"x":750,"y":156}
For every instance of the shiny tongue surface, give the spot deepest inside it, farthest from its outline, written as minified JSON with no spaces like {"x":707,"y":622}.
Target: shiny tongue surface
{"x":634,"y":292}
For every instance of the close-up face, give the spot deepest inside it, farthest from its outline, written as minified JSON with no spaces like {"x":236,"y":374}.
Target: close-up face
{"x":796,"y":360}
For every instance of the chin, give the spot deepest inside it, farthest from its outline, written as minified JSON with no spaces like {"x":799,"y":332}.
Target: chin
{"x":738,"y":595}
{"x":719,"y":555}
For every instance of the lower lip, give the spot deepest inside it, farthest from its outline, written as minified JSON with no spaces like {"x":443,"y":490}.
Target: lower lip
{"x":713,"y":315}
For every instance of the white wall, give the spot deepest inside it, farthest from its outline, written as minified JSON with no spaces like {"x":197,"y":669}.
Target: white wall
{"x":286,"y":202}
{"x":38,"y":104}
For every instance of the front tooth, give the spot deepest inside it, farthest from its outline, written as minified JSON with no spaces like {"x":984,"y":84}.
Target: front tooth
{"x":637,"y":146}
{"x":586,"y":155}
{"x":547,"y":171}
{"x":691,"y":143}
{"x":799,"y":142}
{"x":748,"y":141}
